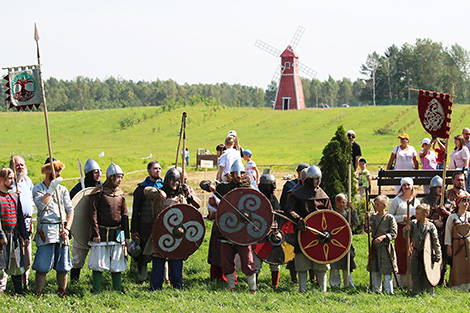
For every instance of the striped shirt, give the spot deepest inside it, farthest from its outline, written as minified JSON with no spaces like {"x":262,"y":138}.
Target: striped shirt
{"x":8,"y":211}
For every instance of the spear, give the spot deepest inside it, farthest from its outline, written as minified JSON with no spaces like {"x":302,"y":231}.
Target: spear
{"x":408,"y":243}
{"x":36,"y":38}
{"x":348,"y":260}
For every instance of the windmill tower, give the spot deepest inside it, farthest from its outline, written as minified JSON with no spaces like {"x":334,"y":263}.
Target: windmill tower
{"x":289,"y":95}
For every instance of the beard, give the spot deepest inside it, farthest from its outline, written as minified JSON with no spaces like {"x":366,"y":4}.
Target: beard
{"x":22,"y":175}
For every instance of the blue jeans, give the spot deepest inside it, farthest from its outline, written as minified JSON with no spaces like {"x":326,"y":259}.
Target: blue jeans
{"x":158,"y":269}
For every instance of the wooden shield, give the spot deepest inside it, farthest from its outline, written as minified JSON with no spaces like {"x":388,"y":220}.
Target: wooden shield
{"x":432,"y":268}
{"x":278,"y":246}
{"x":329,"y":248}
{"x":178,"y":231}
{"x":244,"y":216}
{"x":81,"y":219}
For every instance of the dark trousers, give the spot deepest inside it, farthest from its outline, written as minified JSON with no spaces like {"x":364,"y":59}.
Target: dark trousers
{"x":158,"y":268}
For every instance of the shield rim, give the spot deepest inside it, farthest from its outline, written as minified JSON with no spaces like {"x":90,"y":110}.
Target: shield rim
{"x":273,"y":263}
{"x":75,"y":201}
{"x":196,"y":244}
{"x":254,"y":239}
{"x":427,"y":249}
{"x":345,"y":251}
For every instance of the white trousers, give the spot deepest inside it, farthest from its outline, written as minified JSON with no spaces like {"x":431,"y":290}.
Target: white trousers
{"x":335,"y":278}
{"x":377,"y":282}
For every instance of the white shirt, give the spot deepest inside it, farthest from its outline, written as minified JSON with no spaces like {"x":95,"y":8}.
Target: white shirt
{"x":457,"y":158}
{"x":398,"y":208}
{"x":404,"y":158}
{"x":227,"y":159}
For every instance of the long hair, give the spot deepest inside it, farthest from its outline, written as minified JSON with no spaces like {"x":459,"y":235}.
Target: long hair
{"x":461,"y":140}
{"x":4,"y":172}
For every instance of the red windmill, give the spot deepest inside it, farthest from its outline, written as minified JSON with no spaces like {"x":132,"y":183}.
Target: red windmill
{"x":289,"y":95}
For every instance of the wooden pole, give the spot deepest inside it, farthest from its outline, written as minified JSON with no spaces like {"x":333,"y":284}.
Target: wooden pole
{"x":348,"y":261}
{"x":183,"y":158}
{"x":36,"y":38}
{"x":179,"y":141}
{"x":444,"y":170}
{"x":408,"y":243}
{"x":369,"y":246}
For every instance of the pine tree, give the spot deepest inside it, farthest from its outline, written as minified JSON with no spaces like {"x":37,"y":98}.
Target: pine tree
{"x":334,"y":165}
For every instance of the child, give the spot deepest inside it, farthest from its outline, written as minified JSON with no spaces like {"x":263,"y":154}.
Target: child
{"x":341,"y":201}
{"x":382,"y":258}
{"x":251,"y":168}
{"x":363,"y":176}
{"x":418,"y":230}
{"x":440,"y":150}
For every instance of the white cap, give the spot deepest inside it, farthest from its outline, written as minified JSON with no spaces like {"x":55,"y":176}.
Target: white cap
{"x":352,"y":132}
{"x":406,"y":180}
{"x":232,"y":132}
{"x":426,"y":141}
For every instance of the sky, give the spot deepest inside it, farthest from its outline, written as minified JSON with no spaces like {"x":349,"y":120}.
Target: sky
{"x":212,"y":41}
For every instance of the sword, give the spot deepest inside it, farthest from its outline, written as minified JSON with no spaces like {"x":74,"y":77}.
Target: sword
{"x":82,"y":179}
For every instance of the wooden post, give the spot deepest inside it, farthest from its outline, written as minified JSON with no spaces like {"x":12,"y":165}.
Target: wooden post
{"x":348,"y":261}
{"x":444,"y":170}
{"x":408,"y":243}
{"x":369,"y":246}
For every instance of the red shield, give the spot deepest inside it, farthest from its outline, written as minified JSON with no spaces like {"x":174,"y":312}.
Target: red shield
{"x":178,"y":231}
{"x":278,"y":246}
{"x":434,"y":112}
{"x":331,"y":247}
{"x":244,"y":216}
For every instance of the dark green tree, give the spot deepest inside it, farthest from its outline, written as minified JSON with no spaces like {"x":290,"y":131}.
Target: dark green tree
{"x":334,"y":165}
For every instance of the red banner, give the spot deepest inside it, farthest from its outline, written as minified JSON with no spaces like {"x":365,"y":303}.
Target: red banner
{"x":434,"y":112}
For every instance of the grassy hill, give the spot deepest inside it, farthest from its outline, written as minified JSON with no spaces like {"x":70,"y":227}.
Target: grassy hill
{"x":275,"y":137}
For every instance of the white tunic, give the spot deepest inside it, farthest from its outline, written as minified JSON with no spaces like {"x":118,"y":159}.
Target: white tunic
{"x":398,"y":208}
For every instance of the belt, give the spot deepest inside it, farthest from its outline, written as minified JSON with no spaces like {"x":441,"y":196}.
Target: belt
{"x":108,"y":228}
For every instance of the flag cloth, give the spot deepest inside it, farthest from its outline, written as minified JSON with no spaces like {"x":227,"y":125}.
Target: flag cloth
{"x":23,"y":87}
{"x":434,"y":112}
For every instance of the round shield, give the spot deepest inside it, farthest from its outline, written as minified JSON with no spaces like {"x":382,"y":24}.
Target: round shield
{"x":431,"y":267}
{"x":244,"y":216}
{"x":81,"y":219}
{"x":278,"y":246}
{"x":334,"y":242}
{"x":178,"y":231}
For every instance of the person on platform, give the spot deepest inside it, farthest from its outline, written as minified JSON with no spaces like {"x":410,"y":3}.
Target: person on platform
{"x":457,"y":241}
{"x":25,"y":186}
{"x":226,"y":160}
{"x":355,"y":149}
{"x":109,"y":230}
{"x":53,"y":228}
{"x":267,"y":186}
{"x":404,"y":156}
{"x":382,"y":258}
{"x":142,"y":215}
{"x":460,"y":156}
{"x":363,"y":177}
{"x":80,"y":251}
{"x":341,"y":202}
{"x":92,"y":177}
{"x":438,"y":216}
{"x":13,"y":233}
{"x":228,"y":250}
{"x":417,"y":231}
{"x":305,"y":199}
{"x":398,"y":209}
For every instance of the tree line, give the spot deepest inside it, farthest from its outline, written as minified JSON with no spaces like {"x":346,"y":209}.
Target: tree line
{"x":387,"y":80}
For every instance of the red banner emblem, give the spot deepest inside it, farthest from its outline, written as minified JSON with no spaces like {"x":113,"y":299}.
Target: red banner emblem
{"x":434,"y":112}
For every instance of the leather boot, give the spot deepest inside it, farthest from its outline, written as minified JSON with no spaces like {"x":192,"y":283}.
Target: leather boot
{"x":275,"y":278}
{"x":75,"y":275}
{"x":61,"y":283}
{"x":18,"y":284}
{"x":293,"y":275}
{"x":40,"y":283}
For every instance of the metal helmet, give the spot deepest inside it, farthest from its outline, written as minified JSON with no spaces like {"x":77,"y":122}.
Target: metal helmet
{"x":238,"y":167}
{"x":436,"y":181}
{"x":91,"y":165}
{"x":267,"y":179}
{"x":113,"y":169}
{"x":313,"y":172}
{"x":134,"y":249}
{"x":171,"y":174}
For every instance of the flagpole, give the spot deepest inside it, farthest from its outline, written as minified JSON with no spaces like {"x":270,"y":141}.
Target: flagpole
{"x":444,"y":170}
{"x":348,"y":256}
{"x":36,"y":38}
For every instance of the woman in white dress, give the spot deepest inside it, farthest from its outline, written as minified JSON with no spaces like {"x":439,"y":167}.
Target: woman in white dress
{"x":460,"y":155}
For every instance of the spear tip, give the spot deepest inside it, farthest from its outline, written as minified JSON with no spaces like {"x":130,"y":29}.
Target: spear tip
{"x":36,"y":34}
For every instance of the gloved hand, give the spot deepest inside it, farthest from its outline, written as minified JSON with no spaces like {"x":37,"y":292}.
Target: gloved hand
{"x":53,"y":185}
{"x":301,"y":224}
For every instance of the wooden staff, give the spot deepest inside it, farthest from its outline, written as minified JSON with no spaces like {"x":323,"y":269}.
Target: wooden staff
{"x":36,"y":38}
{"x":348,"y":261}
{"x":369,"y":246}
{"x":13,"y":163}
{"x":183,"y":157}
{"x":179,"y":141}
{"x":444,"y":170}
{"x":408,"y":243}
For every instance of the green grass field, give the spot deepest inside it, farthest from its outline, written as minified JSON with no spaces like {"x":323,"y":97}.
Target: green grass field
{"x":202,"y":295}
{"x":276,"y":138}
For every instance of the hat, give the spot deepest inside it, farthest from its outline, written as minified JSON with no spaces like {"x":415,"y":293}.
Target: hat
{"x":301,"y":166}
{"x":406,"y":180}
{"x":461,"y":197}
{"x":351,"y":132}
{"x":363,"y":160}
{"x":247,"y":152}
{"x":47,"y":168}
{"x":232,"y":133}
{"x":404,"y":136}
{"x":425,"y":141}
